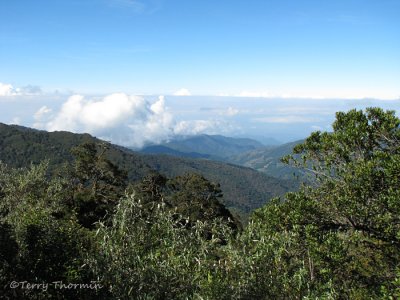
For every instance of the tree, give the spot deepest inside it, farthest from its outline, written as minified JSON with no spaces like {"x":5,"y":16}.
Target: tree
{"x":338,"y":237}
{"x":196,"y":198}
{"x":39,"y":241}
{"x":97,"y":183}
{"x":352,"y":218}
{"x":153,"y":255}
{"x":190,"y":196}
{"x":358,"y":168}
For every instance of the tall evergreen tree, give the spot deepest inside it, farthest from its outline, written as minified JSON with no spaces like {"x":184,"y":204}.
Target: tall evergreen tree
{"x":98,"y":184}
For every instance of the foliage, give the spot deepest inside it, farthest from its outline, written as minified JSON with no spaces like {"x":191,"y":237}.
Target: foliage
{"x":191,"y":197}
{"x":37,"y":246}
{"x":198,"y":199}
{"x":43,"y":239}
{"x":352,"y":217}
{"x":154,"y":256}
{"x":97,"y":184}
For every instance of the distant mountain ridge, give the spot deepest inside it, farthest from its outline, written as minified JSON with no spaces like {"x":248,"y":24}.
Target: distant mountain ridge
{"x":244,"y":188}
{"x":207,"y":146}
{"x":239,"y":151}
{"x":268,"y":161}
{"x":160,"y":149}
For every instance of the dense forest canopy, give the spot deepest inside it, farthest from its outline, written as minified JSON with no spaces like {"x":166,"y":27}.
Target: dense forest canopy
{"x":171,"y":238}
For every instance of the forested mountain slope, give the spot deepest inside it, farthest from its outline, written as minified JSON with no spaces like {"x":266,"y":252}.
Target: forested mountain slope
{"x":211,"y":146}
{"x":243,"y":188}
{"x":243,"y":152}
{"x":268,"y":160}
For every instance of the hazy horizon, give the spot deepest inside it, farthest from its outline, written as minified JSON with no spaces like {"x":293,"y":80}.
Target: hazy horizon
{"x":134,"y":121}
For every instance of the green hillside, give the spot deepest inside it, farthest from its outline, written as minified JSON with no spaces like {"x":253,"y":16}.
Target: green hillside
{"x":243,"y":152}
{"x":268,"y":161}
{"x":216,"y":146}
{"x":244,"y":189}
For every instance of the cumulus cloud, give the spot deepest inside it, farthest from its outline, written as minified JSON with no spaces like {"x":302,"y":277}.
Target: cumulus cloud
{"x":41,"y":113}
{"x":131,"y":121}
{"x":15,"y":121}
{"x":80,"y":114}
{"x":182,"y":92}
{"x":40,"y":117}
{"x":122,"y":119}
{"x":194,"y":127}
{"x":7,"y":89}
{"x":156,"y":127}
{"x":231,"y":111}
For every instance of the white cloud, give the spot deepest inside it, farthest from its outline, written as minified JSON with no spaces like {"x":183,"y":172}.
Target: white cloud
{"x":125,"y":120}
{"x":44,"y":110}
{"x":182,"y":92}
{"x":228,"y":112}
{"x":156,"y":127}
{"x":7,"y":89}
{"x":231,"y":111}
{"x":254,"y":94}
{"x":194,"y":127}
{"x":77,"y":113}
{"x":119,"y":118}
{"x":16,"y":121}
{"x":40,"y":117}
{"x":131,"y":121}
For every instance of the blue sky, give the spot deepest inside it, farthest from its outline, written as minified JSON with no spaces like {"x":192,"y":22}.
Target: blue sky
{"x":340,"y":48}
{"x":252,"y":68}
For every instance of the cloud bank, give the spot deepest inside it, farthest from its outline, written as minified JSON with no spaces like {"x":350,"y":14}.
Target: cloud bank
{"x":134,"y":121}
{"x":182,"y":92}
{"x":126,"y":120}
{"x":194,"y":127}
{"x":7,"y":89}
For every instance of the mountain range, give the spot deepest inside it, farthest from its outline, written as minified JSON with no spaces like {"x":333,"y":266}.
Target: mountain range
{"x":215,"y":147}
{"x":244,"y":188}
{"x":239,"y":151}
